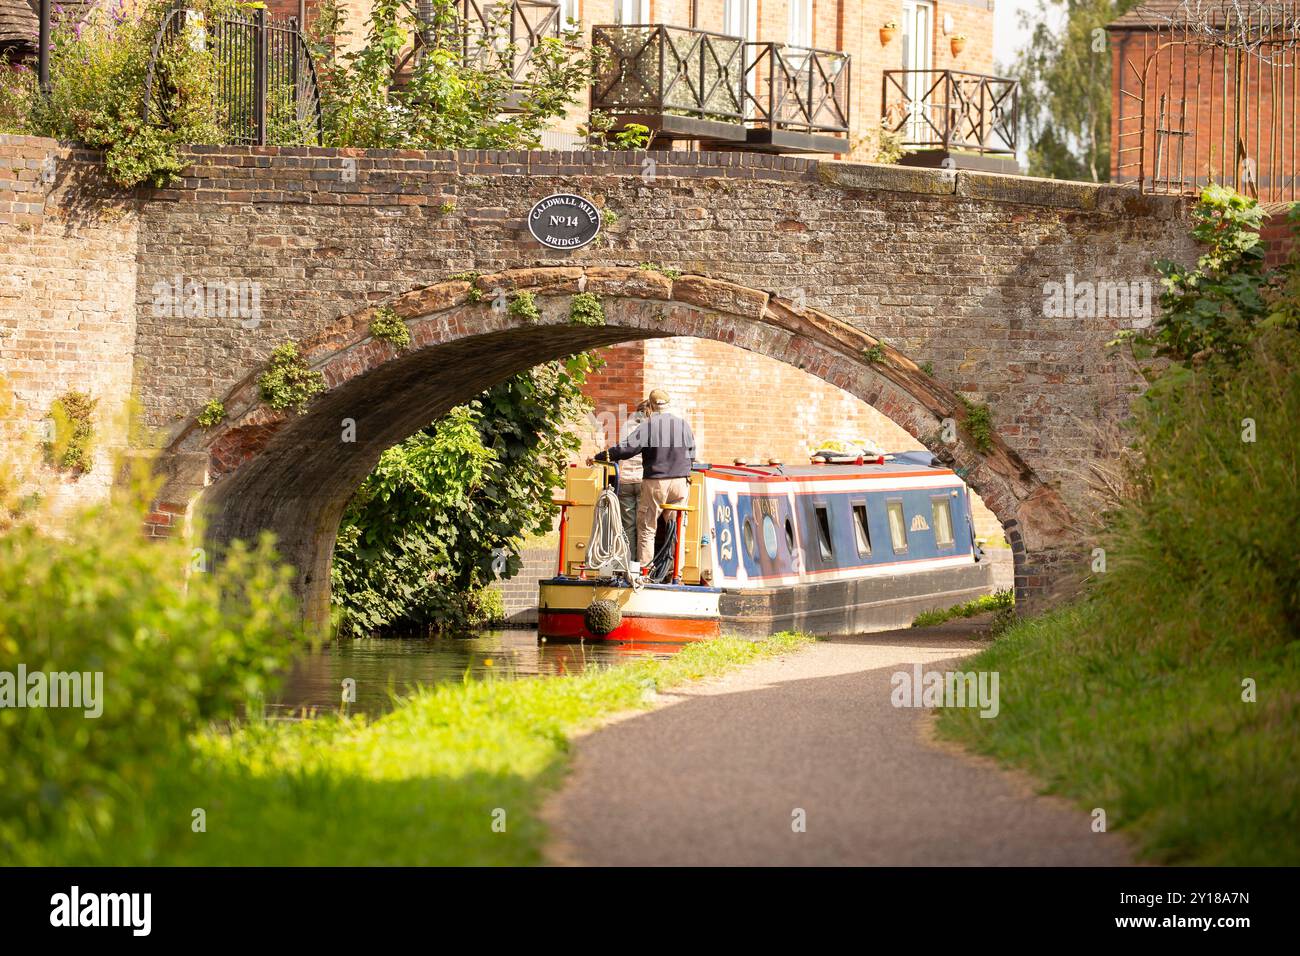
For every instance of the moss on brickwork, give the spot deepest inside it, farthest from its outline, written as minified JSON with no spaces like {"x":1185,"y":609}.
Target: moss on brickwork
{"x":523,"y":305}
{"x":979,"y":424}
{"x":288,"y":382}
{"x":214,"y":413}
{"x":387,"y":326}
{"x":71,"y":446}
{"x":662,"y":270}
{"x":586,"y":309}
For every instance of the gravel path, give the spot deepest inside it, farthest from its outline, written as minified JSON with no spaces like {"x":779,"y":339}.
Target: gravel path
{"x":714,"y":776}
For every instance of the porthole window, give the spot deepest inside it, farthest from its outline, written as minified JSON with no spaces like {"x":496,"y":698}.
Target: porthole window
{"x":769,"y":535}
{"x":789,"y":535}
{"x":751,"y":539}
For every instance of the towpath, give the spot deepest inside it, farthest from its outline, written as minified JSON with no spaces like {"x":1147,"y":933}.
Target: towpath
{"x":717,"y":775}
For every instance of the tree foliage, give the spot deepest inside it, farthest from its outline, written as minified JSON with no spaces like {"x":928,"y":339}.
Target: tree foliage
{"x":440,"y":98}
{"x":419,"y":540}
{"x":1065,"y":88}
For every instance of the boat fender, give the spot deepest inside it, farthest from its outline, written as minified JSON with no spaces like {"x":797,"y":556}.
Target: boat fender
{"x":602,"y":617}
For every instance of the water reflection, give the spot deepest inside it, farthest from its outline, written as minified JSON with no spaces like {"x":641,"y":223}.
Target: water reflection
{"x":384,"y":666}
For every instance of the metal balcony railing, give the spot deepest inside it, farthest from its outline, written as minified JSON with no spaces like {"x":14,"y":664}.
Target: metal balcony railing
{"x":795,"y":88}
{"x":264,"y":83}
{"x":490,"y":34}
{"x":659,"y":70}
{"x":947,"y":109}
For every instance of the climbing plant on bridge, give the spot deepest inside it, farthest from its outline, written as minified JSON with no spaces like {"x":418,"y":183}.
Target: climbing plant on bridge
{"x":417,"y":543}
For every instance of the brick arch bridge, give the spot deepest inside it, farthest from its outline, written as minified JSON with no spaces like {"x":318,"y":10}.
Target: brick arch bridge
{"x":293,"y":473}
{"x":947,"y":268}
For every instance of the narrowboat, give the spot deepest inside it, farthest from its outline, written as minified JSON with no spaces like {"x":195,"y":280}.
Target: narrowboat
{"x":842,"y":545}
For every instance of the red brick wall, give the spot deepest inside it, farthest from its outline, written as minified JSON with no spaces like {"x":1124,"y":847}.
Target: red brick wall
{"x":1269,"y":137}
{"x":68,"y":244}
{"x":1278,"y":238}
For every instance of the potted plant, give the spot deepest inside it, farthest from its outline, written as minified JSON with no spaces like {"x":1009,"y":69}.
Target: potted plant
{"x":887,"y":32}
{"x":958,"y":42}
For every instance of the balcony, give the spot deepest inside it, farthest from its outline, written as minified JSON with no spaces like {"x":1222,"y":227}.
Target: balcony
{"x":800,"y":98}
{"x":686,"y":84}
{"x":681,"y":83}
{"x":491,"y":35}
{"x":968,"y":118}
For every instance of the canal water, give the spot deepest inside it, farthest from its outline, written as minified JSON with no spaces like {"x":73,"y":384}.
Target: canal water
{"x":386,"y":666}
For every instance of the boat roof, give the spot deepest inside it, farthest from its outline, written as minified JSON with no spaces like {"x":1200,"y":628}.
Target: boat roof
{"x":893,"y":466}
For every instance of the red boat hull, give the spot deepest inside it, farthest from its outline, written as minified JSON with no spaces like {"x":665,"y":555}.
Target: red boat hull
{"x":556,"y":625}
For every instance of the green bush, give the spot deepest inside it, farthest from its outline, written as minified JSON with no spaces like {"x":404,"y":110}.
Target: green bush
{"x":446,"y":100}
{"x":417,"y":542}
{"x":72,"y":447}
{"x":288,"y":382}
{"x":175,"y":646}
{"x":98,"y":69}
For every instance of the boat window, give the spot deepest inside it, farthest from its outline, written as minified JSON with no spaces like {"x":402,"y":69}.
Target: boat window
{"x":897,"y":526}
{"x":824,"y":531}
{"x":861,"y":530}
{"x":751,"y":540}
{"x":769,"y":535}
{"x":789,"y":534}
{"x":942,"y":513}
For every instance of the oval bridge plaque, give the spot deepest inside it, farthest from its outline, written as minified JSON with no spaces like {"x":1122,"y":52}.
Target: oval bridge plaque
{"x":564,"y":221}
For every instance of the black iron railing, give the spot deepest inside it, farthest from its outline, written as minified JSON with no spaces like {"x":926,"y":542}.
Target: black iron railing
{"x":264,"y":80}
{"x":797,"y":88}
{"x":663,"y":69}
{"x":947,"y":109}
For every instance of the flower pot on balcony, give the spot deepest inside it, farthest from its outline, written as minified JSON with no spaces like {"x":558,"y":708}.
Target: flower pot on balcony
{"x":958,"y":43}
{"x":887,"y":34}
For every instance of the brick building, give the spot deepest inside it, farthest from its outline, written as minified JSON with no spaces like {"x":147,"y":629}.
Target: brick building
{"x":850,"y":53}
{"x":1206,"y":93}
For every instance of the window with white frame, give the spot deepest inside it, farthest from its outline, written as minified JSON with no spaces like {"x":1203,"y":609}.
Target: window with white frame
{"x":801,"y":23}
{"x":569,"y":14}
{"x":631,"y":11}
{"x":740,"y":19}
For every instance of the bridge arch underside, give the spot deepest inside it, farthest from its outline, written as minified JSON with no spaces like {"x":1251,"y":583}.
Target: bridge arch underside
{"x":293,"y":474}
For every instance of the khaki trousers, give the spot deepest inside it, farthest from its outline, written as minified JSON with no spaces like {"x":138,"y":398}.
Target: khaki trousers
{"x":655,"y":493}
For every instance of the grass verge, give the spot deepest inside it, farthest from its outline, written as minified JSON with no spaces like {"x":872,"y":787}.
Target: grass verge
{"x":1166,"y":746}
{"x":422,"y":785}
{"x":998,"y":601}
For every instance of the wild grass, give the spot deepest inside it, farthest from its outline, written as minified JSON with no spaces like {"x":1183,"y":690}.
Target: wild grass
{"x":997,"y":601}
{"x":456,"y":774}
{"x":1170,"y":696}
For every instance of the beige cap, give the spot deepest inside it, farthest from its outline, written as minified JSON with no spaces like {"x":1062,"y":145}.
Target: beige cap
{"x":658,"y":398}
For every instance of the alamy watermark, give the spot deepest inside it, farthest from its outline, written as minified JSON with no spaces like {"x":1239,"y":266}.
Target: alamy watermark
{"x":946,"y":689}
{"x":77,"y":690}
{"x":1105,"y":298}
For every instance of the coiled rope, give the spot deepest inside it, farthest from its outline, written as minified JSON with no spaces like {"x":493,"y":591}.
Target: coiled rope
{"x":607,"y":551}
